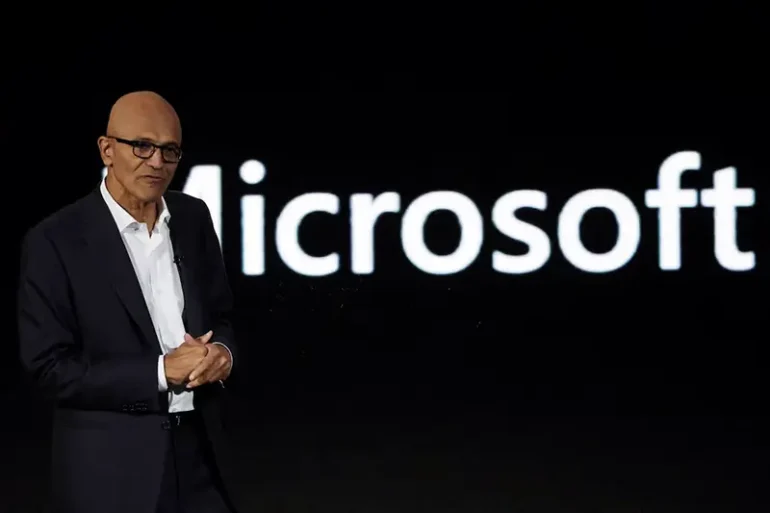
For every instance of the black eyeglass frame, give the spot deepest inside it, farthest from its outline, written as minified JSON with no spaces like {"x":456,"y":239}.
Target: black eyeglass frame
{"x":136,"y":144}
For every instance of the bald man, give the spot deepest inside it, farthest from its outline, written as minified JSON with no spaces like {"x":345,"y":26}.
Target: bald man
{"x":123,"y":312}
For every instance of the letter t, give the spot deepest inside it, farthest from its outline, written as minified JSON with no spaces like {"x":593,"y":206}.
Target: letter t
{"x":724,"y":197}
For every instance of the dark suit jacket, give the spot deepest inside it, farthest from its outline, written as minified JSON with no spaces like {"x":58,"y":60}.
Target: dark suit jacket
{"x":87,"y":340}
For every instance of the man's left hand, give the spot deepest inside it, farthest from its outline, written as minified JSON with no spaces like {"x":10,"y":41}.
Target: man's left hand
{"x":215,"y":366}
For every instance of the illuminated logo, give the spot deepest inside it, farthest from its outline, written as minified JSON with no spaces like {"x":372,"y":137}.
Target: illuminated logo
{"x":205,"y":182}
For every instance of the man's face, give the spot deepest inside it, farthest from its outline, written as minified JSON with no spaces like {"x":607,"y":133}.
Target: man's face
{"x":143,"y":155}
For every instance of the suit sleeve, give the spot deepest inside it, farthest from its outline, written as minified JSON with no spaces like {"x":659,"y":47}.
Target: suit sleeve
{"x":51,"y":350}
{"x":220,"y":296}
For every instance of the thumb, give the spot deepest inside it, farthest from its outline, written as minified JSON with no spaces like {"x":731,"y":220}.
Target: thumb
{"x":205,"y":338}
{"x":188,"y":337}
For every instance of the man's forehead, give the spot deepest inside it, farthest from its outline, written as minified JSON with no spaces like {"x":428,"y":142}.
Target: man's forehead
{"x":145,"y":116}
{"x":153,"y":129}
{"x":155,"y":137}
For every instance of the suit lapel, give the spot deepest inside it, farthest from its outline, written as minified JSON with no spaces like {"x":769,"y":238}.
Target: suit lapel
{"x":107,"y":251}
{"x":183,"y":241}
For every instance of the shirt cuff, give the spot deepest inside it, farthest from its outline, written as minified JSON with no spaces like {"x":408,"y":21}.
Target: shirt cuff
{"x":228,"y":350}
{"x":162,"y":383}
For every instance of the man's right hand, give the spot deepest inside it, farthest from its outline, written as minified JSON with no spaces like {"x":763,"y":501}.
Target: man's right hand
{"x":181,"y":361}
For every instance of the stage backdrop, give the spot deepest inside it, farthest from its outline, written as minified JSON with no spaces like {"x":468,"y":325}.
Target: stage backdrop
{"x":413,"y":237}
{"x":436,"y":284}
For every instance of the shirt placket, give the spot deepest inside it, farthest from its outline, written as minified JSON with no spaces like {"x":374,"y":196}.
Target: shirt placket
{"x":149,"y":245}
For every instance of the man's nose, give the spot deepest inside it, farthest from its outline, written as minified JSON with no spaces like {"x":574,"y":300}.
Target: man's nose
{"x":156,"y":159}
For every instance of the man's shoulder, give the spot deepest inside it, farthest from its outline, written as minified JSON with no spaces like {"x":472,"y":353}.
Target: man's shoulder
{"x":66,"y":222}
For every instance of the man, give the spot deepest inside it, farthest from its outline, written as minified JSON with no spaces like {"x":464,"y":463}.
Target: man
{"x":124,"y":324}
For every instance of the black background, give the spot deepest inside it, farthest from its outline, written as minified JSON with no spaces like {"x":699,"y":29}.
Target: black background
{"x":638,"y":390}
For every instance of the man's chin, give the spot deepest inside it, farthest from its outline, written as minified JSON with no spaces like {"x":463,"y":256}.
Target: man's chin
{"x":150,"y":193}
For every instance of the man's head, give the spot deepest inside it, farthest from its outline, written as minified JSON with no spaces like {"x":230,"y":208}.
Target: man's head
{"x":142,"y":146}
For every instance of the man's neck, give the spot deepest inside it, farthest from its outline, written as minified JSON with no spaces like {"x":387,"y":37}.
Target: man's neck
{"x":142,"y":211}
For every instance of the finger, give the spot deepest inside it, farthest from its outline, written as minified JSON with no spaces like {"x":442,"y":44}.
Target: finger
{"x":205,"y":338}
{"x":188,"y":337}
{"x":221,"y":373}
{"x":202,"y":379}
{"x":202,"y":367}
{"x":216,"y":370}
{"x":220,"y":370}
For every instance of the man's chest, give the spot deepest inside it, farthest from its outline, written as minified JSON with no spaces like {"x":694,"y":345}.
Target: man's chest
{"x":152,"y":259}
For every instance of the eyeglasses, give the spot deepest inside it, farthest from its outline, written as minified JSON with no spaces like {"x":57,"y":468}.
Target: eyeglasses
{"x":171,"y":153}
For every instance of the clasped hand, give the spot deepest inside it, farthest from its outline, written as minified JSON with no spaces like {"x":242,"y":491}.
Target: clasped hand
{"x":197,"y":362}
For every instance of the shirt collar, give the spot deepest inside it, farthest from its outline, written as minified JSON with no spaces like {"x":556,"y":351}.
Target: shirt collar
{"x":122,"y":218}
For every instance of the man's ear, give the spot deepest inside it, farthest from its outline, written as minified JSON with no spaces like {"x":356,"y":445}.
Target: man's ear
{"x":106,"y":150}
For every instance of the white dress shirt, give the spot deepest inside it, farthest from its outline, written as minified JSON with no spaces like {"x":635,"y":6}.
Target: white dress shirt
{"x":153,"y":260}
